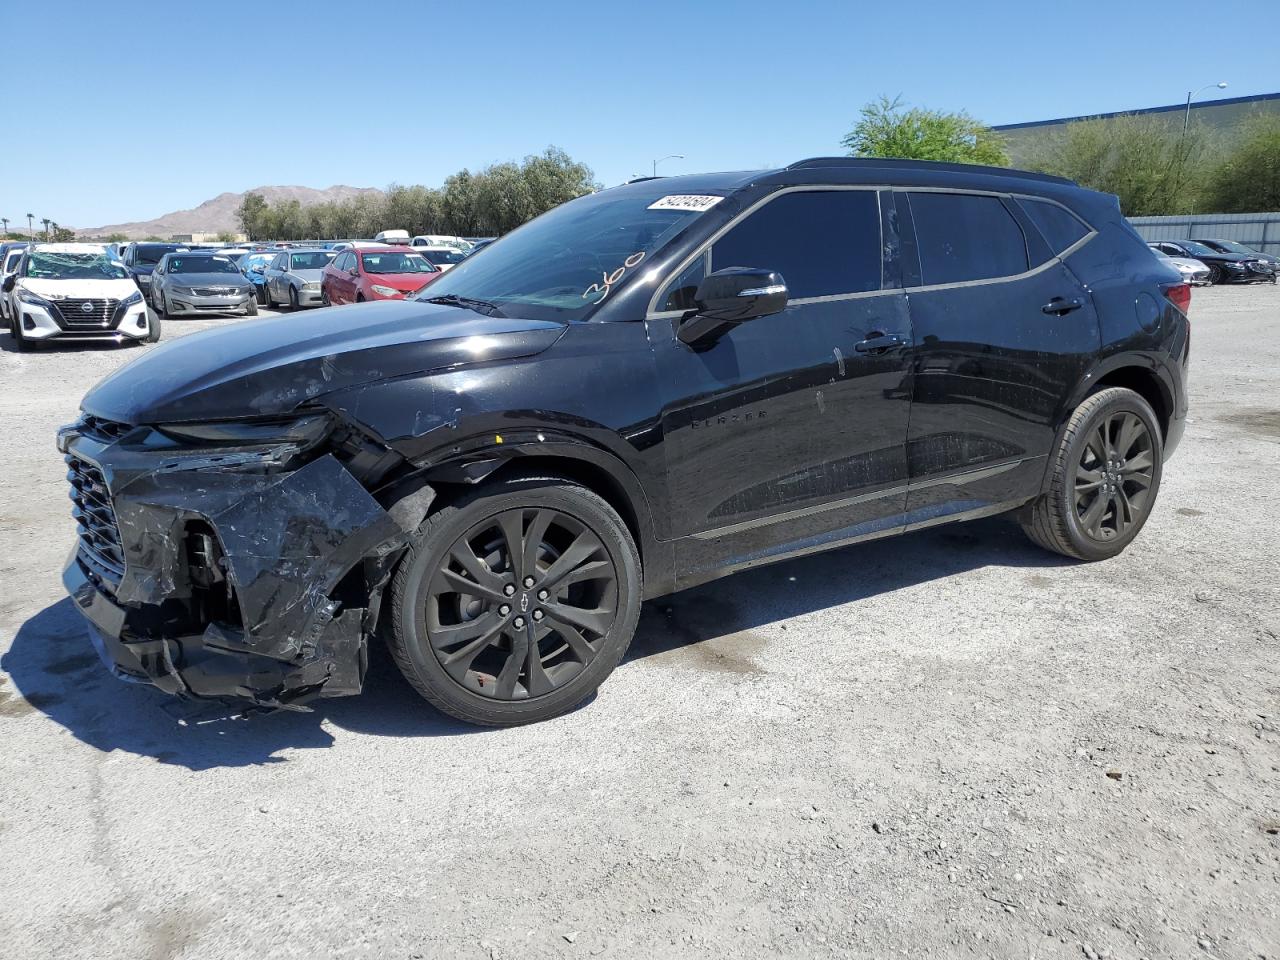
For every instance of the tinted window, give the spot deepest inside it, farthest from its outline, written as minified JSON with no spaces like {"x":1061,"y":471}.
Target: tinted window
{"x":1056,"y":224}
{"x":150,"y":253}
{"x":681,"y":290}
{"x":966,"y":237}
{"x":823,"y":243}
{"x":200,"y":265}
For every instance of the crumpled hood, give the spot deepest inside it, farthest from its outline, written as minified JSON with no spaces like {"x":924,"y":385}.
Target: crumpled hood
{"x":93,"y":289}
{"x":269,"y":367}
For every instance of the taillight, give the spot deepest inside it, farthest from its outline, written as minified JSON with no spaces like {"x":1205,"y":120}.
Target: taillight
{"x":1179,"y":294}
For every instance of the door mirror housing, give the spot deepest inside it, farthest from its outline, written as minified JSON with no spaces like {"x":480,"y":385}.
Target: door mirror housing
{"x":9,"y":283}
{"x":729,"y":297}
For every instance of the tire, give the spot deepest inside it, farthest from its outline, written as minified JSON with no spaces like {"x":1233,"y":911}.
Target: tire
{"x":586,"y":624}
{"x":153,"y":330}
{"x":20,"y":343}
{"x":1215,"y":275}
{"x":162,"y":309}
{"x":324,"y":297}
{"x":1067,"y":519}
{"x":293,"y":299}
{"x":360,"y":298}
{"x":261,"y":293}
{"x":266,"y":296}
{"x":252,"y":309}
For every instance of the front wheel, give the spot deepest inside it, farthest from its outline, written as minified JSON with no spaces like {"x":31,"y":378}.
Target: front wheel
{"x":1215,"y":275}
{"x":293,"y":298}
{"x":1105,"y":477}
{"x":515,"y":602}
{"x":251,"y":309}
{"x":153,"y":330}
{"x":262,"y":295}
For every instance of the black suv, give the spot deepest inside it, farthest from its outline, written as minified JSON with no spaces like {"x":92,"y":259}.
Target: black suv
{"x":140,"y":259}
{"x":642,"y":390}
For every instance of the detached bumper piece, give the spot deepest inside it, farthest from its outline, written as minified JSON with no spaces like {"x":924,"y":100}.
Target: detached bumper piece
{"x":227,"y":575}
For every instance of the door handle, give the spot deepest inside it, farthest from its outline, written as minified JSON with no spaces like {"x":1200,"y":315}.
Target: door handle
{"x":879,"y":343}
{"x":1058,"y":307}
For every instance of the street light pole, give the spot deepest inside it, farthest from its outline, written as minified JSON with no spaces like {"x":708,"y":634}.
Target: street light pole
{"x":1186,"y":117}
{"x":674,"y":156}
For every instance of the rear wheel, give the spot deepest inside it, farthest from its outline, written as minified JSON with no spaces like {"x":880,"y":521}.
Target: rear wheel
{"x":514,"y":603}
{"x":1105,"y":477}
{"x":262,"y":295}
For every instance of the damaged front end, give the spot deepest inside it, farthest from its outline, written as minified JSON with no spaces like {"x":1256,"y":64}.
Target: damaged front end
{"x":239,"y":560}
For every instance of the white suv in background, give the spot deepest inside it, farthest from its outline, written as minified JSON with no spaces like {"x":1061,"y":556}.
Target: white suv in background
{"x":75,"y":290}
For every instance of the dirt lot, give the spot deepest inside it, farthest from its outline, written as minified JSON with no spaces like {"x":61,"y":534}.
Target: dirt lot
{"x":951,"y":744}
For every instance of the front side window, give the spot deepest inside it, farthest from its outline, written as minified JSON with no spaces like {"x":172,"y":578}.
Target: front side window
{"x":962,"y":237}
{"x":824,"y":243}
{"x":1058,"y":225}
{"x":73,"y":266}
{"x":11,"y":261}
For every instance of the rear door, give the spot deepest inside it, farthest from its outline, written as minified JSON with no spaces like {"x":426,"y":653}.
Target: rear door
{"x":1003,"y":334}
{"x":788,"y":433}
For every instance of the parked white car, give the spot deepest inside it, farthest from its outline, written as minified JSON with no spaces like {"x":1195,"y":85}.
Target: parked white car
{"x":8,"y":265}
{"x":75,"y":290}
{"x":444,"y":257}
{"x":441,"y":240}
{"x":1192,"y":271}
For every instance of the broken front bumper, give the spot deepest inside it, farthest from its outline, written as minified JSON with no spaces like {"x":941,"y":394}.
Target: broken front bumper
{"x":224,"y":574}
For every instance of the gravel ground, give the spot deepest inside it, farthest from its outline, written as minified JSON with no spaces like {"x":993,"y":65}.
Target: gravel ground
{"x":950,"y":744}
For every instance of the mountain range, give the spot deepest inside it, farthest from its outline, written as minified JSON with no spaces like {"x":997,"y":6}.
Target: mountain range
{"x":219,"y":214}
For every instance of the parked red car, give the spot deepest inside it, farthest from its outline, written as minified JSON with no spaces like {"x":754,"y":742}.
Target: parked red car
{"x":375,"y":273}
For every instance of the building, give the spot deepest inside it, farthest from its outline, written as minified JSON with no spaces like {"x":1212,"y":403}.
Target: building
{"x":1216,"y":114}
{"x":207,"y":238}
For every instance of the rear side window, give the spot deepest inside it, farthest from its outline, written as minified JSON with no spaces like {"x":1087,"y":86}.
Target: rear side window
{"x":823,"y":243}
{"x":1059,"y":226}
{"x":966,"y":237}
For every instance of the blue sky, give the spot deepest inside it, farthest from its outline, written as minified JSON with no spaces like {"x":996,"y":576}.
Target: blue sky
{"x":124,"y":111}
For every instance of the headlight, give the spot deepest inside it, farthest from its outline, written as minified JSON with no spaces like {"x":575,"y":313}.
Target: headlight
{"x":131,"y":299}
{"x":382,"y":291}
{"x":27,"y":296}
{"x":304,"y":432}
{"x":1234,"y":266}
{"x":143,"y":277}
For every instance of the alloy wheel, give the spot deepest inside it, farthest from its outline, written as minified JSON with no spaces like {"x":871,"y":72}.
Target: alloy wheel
{"x":521,"y":603}
{"x":1114,"y":476}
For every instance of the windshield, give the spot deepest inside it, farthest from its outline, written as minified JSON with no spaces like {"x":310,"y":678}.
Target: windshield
{"x":396,"y":263}
{"x":564,"y":263}
{"x":74,"y":266}
{"x":201,"y":265}
{"x":443,"y":256}
{"x":309,"y":261}
{"x":1196,"y":249}
{"x":151,"y":254}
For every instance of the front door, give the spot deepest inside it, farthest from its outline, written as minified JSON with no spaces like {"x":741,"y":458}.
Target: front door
{"x":788,"y":433}
{"x":1003,"y":333}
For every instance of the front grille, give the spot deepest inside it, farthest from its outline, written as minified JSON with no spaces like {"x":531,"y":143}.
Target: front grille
{"x":103,"y":430}
{"x":214,"y":291}
{"x":1258,"y":266}
{"x":100,"y":549}
{"x":86,"y":313}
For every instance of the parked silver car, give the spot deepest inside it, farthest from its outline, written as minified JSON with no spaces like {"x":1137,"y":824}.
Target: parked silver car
{"x":293,"y":277}
{"x":1192,"y":271}
{"x":192,"y":282}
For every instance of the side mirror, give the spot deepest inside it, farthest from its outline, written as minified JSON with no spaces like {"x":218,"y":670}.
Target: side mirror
{"x":257,"y":268}
{"x":729,"y":297}
{"x":9,"y":283}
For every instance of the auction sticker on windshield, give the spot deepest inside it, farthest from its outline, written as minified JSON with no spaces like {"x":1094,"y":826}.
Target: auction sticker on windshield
{"x":695,"y":202}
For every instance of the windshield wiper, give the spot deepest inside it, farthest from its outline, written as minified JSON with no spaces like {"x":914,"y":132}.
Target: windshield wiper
{"x":467,"y":303}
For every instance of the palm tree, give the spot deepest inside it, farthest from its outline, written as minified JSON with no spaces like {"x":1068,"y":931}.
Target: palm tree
{"x":46,"y":221}
{"x":5,"y":221}
{"x":30,"y":229}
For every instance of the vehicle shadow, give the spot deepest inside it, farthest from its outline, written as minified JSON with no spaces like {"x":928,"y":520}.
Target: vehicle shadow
{"x":59,"y":345}
{"x":55,"y":670}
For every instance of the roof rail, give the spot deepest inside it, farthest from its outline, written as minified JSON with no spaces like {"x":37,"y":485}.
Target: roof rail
{"x":643,"y":179}
{"x":819,"y":162}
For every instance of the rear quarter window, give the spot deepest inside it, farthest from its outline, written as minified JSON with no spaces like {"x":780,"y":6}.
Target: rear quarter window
{"x":1059,"y":226}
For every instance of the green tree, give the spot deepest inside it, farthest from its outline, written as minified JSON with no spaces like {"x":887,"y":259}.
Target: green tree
{"x":226,"y":236}
{"x":1248,"y":178}
{"x":250,"y":213}
{"x":1144,"y":160}
{"x":62,"y":234}
{"x":888,"y":129}
{"x":116,"y":238}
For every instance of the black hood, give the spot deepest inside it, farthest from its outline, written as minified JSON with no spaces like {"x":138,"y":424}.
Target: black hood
{"x":269,"y":367}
